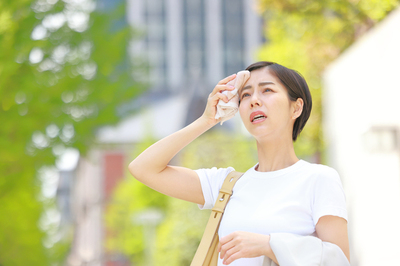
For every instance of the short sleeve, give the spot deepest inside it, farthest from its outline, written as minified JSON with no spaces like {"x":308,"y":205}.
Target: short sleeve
{"x":211,"y":182}
{"x":329,"y":197}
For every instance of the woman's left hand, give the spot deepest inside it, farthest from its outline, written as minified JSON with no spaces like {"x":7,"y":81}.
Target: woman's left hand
{"x":243,"y":245}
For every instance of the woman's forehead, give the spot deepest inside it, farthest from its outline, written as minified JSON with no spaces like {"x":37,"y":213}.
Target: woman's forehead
{"x":262,"y":75}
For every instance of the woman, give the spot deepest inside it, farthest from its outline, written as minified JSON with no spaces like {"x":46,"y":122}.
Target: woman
{"x":279,"y":194}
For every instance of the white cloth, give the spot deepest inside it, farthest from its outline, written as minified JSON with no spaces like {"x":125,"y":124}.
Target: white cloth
{"x":228,"y":110}
{"x":295,"y":250}
{"x":289,"y":200}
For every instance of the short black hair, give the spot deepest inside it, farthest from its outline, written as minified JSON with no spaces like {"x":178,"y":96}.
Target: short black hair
{"x":296,"y":87}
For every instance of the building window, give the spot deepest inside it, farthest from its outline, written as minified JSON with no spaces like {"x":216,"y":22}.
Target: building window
{"x":194,"y":37}
{"x":233,"y":32}
{"x":155,"y":41}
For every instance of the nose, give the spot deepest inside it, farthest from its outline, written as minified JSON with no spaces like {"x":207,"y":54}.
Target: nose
{"x":255,"y":101}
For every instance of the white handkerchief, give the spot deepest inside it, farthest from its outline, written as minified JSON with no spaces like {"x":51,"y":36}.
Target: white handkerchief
{"x":228,"y":110}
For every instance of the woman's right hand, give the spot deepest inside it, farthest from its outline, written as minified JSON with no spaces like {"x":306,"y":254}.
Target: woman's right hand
{"x":213,"y":99}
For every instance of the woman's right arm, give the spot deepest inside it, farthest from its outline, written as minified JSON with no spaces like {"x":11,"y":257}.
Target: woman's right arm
{"x":151,"y":166}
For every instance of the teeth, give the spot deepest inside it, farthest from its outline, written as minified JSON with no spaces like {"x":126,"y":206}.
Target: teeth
{"x":257,"y":117}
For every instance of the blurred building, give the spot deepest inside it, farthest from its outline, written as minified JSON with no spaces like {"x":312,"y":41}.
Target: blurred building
{"x":362,"y":127}
{"x":189,"y":45}
{"x":194,"y":41}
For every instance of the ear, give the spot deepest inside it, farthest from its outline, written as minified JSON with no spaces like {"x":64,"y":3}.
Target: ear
{"x":297,"y":108}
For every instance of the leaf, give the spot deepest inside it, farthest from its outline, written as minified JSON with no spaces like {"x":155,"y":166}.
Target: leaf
{"x":59,"y":83}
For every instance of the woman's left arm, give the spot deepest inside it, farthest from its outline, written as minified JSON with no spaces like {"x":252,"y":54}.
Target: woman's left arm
{"x":333,"y":229}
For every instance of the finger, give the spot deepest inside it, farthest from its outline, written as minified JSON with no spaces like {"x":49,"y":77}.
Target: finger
{"x":227,"y":238}
{"x":232,"y":257}
{"x":226,"y":244}
{"x":227,"y":250}
{"x":220,"y":88}
{"x":220,"y":96}
{"x":227,"y":79}
{"x":213,"y":99}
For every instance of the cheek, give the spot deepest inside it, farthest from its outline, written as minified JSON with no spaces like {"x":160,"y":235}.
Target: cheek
{"x":241,"y":111}
{"x":241,"y":115}
{"x":279,"y":109}
{"x":286,"y":111}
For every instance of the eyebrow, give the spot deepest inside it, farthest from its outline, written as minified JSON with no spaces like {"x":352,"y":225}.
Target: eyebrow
{"x":263,"y":83}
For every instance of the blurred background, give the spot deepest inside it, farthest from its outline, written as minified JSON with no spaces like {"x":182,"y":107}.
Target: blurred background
{"x":86,"y":85}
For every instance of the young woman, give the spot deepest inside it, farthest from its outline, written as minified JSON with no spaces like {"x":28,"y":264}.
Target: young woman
{"x":279,"y":194}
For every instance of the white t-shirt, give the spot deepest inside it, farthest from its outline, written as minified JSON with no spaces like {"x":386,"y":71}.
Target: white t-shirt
{"x":290,"y":200}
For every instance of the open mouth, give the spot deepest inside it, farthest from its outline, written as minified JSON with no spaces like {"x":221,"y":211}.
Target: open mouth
{"x":258,"y":118}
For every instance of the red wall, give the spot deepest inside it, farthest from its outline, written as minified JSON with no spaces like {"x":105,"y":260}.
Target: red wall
{"x":114,"y":170}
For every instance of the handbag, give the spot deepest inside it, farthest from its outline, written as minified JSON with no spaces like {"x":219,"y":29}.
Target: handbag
{"x":207,"y":252}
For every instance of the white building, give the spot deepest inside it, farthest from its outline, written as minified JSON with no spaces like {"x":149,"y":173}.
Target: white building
{"x":362,"y":125}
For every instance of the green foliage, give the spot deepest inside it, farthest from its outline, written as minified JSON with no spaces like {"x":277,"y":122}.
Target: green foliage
{"x":220,"y":149}
{"x":130,"y":198}
{"x":58,"y":84}
{"x":307,"y":35}
{"x":180,"y":232}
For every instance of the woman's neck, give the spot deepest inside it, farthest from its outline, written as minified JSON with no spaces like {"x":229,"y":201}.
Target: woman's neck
{"x":275,"y":155}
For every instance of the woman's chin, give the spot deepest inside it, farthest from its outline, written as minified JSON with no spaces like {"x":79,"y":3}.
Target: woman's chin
{"x":258,"y":132}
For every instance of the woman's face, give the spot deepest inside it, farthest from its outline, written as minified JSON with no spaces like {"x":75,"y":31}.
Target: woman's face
{"x":265,"y":107}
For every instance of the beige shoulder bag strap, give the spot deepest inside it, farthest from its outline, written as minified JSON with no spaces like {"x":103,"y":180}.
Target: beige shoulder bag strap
{"x":207,"y":252}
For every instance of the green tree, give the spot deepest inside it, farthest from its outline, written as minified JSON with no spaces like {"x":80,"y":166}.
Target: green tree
{"x":64,"y":70}
{"x":307,"y":35}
